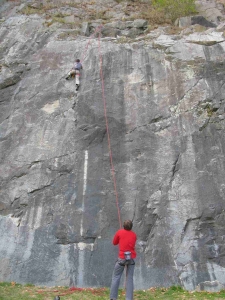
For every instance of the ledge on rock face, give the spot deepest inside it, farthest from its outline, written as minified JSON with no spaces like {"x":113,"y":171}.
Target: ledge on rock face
{"x":193,"y":20}
{"x":140,"y":23}
{"x":126,"y":28}
{"x":205,"y":38}
{"x":36,"y":5}
{"x":164,"y":41}
{"x":69,"y":19}
{"x":221,"y":27}
{"x":210,"y":286}
{"x":2,"y":206}
{"x":9,"y":81}
{"x":111,"y":32}
{"x":85,"y":29}
{"x":212,"y":10}
{"x":201,"y":21}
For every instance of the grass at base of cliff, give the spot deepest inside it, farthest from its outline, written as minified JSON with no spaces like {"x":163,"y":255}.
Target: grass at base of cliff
{"x":14,"y":291}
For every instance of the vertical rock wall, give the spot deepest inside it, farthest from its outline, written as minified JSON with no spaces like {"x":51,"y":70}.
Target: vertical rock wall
{"x":165,"y":107}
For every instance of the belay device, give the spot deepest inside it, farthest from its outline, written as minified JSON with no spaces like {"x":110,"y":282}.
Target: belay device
{"x":127,"y":255}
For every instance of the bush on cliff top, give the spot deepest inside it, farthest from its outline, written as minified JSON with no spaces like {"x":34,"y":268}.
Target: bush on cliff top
{"x":174,"y":9}
{"x":163,"y":11}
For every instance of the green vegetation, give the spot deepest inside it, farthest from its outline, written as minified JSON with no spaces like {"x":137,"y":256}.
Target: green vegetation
{"x":55,"y":18}
{"x":68,"y":35}
{"x":210,"y":110}
{"x":155,"y":11}
{"x":27,"y":10}
{"x":163,"y":11}
{"x":100,"y":14}
{"x":43,"y":8}
{"x":167,"y":11}
{"x":14,"y":291}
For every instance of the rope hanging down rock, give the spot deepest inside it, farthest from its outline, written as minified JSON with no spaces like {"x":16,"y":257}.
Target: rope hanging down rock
{"x":98,"y":31}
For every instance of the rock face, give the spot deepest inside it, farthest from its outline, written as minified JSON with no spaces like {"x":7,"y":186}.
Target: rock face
{"x":165,"y":107}
{"x":213,"y":10}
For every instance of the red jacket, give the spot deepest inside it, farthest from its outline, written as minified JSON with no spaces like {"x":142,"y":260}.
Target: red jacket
{"x":126,"y":240}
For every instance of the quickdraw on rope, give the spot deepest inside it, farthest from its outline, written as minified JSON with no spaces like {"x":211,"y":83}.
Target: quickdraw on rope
{"x":98,"y":31}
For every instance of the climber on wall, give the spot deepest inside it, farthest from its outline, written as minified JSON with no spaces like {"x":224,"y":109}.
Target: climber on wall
{"x":126,"y":239}
{"x":75,"y":72}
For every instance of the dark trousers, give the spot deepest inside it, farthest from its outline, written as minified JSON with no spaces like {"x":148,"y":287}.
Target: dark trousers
{"x":117,"y":273}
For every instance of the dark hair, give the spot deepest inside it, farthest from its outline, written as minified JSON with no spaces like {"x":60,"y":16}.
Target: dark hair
{"x":127,"y":224}
{"x":77,"y":60}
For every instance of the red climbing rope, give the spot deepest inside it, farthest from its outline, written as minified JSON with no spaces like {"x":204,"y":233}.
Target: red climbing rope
{"x":107,"y":129}
{"x":98,"y":30}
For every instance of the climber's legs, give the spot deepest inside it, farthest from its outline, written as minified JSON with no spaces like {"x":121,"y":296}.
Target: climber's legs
{"x":77,"y":79}
{"x":71,"y":74}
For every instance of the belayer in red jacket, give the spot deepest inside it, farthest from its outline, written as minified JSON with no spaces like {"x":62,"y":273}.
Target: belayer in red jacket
{"x":126,"y":240}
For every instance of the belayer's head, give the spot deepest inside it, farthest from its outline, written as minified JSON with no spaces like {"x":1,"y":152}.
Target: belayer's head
{"x":127,"y":225}
{"x":77,"y":60}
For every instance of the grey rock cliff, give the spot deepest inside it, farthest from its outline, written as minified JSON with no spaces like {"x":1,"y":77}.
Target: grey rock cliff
{"x":165,"y":107}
